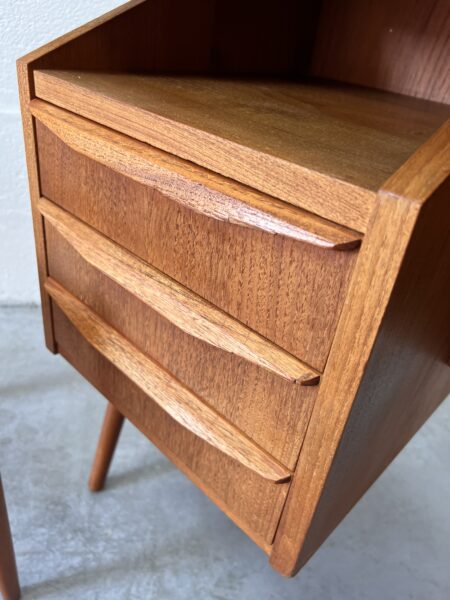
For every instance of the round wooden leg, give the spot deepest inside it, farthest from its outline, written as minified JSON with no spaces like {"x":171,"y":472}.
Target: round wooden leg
{"x":112,"y":425}
{"x":9,"y":581}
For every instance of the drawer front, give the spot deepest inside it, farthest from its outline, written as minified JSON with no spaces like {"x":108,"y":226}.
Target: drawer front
{"x":280,"y":271}
{"x":268,"y":408}
{"x":254,"y":503}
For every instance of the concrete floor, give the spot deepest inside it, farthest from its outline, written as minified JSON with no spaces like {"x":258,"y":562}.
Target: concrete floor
{"x":152,"y":535}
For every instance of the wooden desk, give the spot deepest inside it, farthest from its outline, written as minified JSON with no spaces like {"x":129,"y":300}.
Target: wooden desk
{"x":245,"y":251}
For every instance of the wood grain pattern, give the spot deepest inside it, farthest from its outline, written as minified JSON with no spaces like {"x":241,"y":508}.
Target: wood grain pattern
{"x":174,"y":302}
{"x":297,"y":288}
{"x":9,"y":581}
{"x":138,"y":37}
{"x":179,"y":79}
{"x":76,"y":44}
{"x":196,"y":188}
{"x":69,"y":46}
{"x":390,"y":351}
{"x":407,"y":376}
{"x":234,"y":158}
{"x":400,"y":46}
{"x":314,"y":139}
{"x":175,"y":399}
{"x":254,"y":503}
{"x":109,"y":435}
{"x":33,"y":181}
{"x":269,"y":409}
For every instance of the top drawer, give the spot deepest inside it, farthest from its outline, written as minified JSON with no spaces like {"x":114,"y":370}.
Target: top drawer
{"x":281,"y":271}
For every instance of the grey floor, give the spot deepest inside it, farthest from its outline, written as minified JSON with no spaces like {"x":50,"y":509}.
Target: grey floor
{"x":152,"y":535}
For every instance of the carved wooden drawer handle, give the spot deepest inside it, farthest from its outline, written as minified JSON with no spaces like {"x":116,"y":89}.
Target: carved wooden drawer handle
{"x":192,"y":186}
{"x":172,"y":396}
{"x":177,"y":304}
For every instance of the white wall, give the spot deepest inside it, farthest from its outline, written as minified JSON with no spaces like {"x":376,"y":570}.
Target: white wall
{"x":24,"y":26}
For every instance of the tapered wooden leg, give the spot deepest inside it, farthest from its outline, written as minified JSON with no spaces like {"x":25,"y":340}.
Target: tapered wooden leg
{"x":9,"y":582}
{"x":112,"y":425}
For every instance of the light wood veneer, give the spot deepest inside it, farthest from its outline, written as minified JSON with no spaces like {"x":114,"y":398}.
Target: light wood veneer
{"x":253,"y":502}
{"x":176,"y":400}
{"x":325,"y":145}
{"x":226,"y":382}
{"x":181,"y":307}
{"x":250,"y":262}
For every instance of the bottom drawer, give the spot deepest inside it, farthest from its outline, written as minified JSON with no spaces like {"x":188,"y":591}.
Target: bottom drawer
{"x":253,"y":502}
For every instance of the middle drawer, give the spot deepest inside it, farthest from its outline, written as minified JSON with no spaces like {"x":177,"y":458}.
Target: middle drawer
{"x":279,"y":270}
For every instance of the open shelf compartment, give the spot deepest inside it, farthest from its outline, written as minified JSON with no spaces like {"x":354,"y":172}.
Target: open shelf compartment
{"x":248,"y":89}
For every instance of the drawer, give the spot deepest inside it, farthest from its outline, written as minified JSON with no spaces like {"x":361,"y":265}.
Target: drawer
{"x":278,"y":269}
{"x":254,"y":503}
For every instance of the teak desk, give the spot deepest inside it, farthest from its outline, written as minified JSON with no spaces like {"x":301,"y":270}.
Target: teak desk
{"x":242,"y":222}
